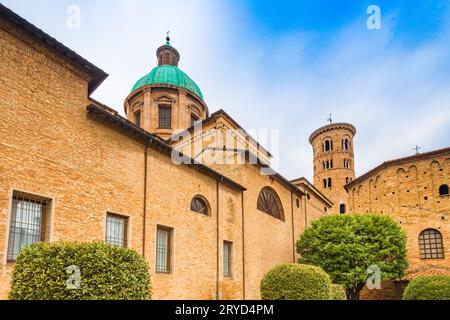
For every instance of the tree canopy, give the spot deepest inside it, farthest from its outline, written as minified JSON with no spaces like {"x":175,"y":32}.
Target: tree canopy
{"x":345,"y":246}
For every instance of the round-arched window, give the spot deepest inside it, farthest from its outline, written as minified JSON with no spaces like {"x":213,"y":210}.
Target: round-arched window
{"x":443,"y":190}
{"x":431,"y":244}
{"x":198,"y":204}
{"x":270,"y":203}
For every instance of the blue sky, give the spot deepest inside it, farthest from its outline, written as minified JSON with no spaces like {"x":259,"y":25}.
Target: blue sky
{"x":282,"y":65}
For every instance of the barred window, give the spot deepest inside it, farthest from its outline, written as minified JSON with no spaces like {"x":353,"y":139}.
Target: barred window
{"x":165,"y":117}
{"x":163,"y":249}
{"x":29,"y":222}
{"x":116,"y":230}
{"x":227,"y":259}
{"x":199,"y":205}
{"x":270,"y":203}
{"x":431,"y":244}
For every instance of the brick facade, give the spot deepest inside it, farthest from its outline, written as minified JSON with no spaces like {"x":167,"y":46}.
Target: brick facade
{"x":90,"y":162}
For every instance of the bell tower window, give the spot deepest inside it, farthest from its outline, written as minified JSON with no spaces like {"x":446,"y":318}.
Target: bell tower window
{"x":328,"y":145}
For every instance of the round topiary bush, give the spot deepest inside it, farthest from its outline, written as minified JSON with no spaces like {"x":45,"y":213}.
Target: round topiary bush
{"x":296,"y":282}
{"x":337,"y":292}
{"x":428,"y":288}
{"x":79,"y":271}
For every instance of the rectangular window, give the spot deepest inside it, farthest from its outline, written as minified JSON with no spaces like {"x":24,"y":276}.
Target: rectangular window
{"x":227,"y":259}
{"x":116,"y":230}
{"x":165,"y":117}
{"x":137,"y":118}
{"x":29,"y":222}
{"x":163,"y":249}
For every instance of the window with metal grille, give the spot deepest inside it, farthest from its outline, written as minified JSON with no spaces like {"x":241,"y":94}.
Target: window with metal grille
{"x":199,"y":205}
{"x":163,"y":249}
{"x":116,"y":230}
{"x":227,"y":259}
{"x":29,"y":222}
{"x":431,"y":245}
{"x":270,"y":203}
{"x":165,"y":117}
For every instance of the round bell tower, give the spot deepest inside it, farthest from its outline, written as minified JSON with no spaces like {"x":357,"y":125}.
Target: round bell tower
{"x":334,"y":165}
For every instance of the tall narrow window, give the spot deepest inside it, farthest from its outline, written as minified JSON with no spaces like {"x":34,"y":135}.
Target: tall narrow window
{"x":137,"y":118}
{"x":330,"y":185}
{"x":328,"y":145}
{"x":345,"y":144}
{"x":163,"y":249}
{"x":29,"y":222}
{"x":325,"y":183}
{"x":431,"y":245}
{"x":342,"y":209}
{"x":116,"y":230}
{"x":165,"y":117}
{"x":227,"y":259}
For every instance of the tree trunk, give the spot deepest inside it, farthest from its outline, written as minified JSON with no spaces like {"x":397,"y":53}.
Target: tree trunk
{"x":354,"y":293}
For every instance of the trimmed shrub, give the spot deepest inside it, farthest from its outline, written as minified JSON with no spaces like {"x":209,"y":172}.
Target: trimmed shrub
{"x":428,"y":288}
{"x":337,"y":292}
{"x":296,"y":282}
{"x":49,"y":271}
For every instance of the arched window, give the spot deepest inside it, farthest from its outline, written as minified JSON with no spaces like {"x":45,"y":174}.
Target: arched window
{"x":199,"y":205}
{"x":342,"y":209}
{"x":345,"y":144}
{"x":328,"y":145}
{"x":431,"y":245}
{"x":269,"y":202}
{"x":443,"y":190}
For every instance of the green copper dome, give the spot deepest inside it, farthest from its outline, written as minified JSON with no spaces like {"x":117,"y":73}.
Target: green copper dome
{"x":168,"y":74}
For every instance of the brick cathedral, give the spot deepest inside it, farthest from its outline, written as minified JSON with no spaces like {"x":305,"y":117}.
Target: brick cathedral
{"x":74,"y":169}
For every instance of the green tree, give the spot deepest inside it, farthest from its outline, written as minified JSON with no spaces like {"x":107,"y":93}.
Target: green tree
{"x":345,"y":246}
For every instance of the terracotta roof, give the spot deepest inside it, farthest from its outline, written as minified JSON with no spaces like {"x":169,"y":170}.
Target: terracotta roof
{"x":104,"y":113}
{"x":96,"y":75}
{"x":417,"y":157}
{"x":312,"y":189}
{"x":428,"y":272}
